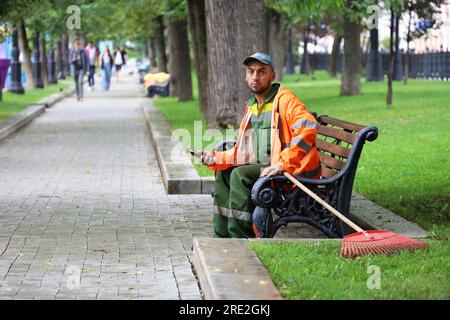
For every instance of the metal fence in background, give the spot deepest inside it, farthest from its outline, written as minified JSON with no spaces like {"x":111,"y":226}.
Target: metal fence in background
{"x":428,"y":66}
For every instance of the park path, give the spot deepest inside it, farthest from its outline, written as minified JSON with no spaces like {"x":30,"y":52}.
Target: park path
{"x":83,"y":210}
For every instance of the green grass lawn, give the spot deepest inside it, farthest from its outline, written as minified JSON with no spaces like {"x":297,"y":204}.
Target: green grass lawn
{"x":13,"y":103}
{"x":315,"y":271}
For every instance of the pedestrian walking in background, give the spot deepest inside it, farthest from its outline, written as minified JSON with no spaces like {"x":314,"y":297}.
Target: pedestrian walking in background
{"x":92,"y":55}
{"x":106,"y":62}
{"x":119,"y":61}
{"x":79,"y":64}
{"x":124,"y":55}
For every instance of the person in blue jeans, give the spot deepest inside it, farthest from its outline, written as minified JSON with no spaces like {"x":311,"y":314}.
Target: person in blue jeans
{"x":106,"y":62}
{"x":92,"y":56}
{"x":79,"y":64}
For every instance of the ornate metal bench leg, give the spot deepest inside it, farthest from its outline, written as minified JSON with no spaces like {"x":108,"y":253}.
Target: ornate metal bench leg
{"x":262,"y":221}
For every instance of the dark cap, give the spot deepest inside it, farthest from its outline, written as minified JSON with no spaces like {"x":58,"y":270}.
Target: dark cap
{"x":259,"y":56}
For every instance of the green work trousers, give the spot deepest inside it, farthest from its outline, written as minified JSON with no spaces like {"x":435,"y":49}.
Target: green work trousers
{"x":232,"y":201}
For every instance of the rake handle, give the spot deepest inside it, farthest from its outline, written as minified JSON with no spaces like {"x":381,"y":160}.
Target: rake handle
{"x":322,"y":202}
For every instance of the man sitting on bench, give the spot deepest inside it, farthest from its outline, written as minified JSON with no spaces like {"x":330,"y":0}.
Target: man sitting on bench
{"x":276,"y":134}
{"x":157,"y":83}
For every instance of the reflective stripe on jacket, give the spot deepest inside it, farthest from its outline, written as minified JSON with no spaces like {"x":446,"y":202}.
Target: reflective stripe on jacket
{"x":293,"y":136}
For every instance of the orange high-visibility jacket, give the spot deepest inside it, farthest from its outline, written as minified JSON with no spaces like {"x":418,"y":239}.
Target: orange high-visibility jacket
{"x":293,"y":137}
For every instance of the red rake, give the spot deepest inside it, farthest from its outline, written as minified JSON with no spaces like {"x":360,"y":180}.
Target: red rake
{"x":364,"y":241}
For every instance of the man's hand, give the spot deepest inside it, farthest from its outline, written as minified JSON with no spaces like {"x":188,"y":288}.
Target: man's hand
{"x":207,"y":159}
{"x":273,"y":169}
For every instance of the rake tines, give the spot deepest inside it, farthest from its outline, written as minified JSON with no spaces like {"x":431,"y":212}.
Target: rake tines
{"x":377,"y":242}
{"x":364,"y":242}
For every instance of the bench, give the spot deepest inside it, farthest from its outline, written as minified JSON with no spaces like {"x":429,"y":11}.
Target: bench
{"x":161,"y":89}
{"x":278,"y":203}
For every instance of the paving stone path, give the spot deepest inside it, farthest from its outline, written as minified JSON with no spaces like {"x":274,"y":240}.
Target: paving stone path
{"x":83,"y":210}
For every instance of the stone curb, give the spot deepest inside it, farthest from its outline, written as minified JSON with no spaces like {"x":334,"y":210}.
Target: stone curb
{"x":228,"y":269}
{"x":14,"y":123}
{"x":180,"y":177}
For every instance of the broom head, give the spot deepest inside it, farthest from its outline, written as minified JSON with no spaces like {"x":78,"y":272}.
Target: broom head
{"x":377,"y":242}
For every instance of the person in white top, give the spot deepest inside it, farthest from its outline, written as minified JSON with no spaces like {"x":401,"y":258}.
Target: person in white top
{"x":119,"y":61}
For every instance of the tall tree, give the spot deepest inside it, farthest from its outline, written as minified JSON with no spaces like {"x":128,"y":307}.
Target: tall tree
{"x":395,"y":9}
{"x":351,"y":83}
{"x":277,"y":39}
{"x":180,"y":62}
{"x":250,"y":39}
{"x":151,"y":50}
{"x":65,"y":54}
{"x":16,"y":11}
{"x":197,"y":23}
{"x":334,"y":18}
{"x":160,"y":44}
{"x":335,"y":50}
{"x":43,"y":56}
{"x":230,"y":25}
{"x":58,"y":60}
{"x":374,"y":70}
{"x":290,"y":68}
{"x":391,"y":59}
{"x":179,"y":58}
{"x":223,"y":94}
{"x":398,"y":64}
{"x":26,"y":53}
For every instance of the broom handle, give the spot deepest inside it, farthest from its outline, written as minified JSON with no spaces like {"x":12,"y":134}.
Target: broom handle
{"x":322,"y":202}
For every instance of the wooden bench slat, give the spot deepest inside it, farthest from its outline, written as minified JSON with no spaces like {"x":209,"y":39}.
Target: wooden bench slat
{"x":331,"y":162}
{"x":341,"y":123}
{"x":327,"y":172}
{"x":333,"y":148}
{"x":338,"y":134}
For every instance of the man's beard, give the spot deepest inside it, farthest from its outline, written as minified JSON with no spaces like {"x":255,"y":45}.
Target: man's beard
{"x":259,"y":90}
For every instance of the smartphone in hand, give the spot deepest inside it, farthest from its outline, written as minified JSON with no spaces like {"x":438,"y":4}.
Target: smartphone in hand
{"x":195,"y":153}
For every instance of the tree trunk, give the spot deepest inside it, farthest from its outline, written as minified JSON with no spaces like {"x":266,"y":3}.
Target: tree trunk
{"x":334,"y":55}
{"x":398,"y":64}
{"x":223,"y":93}
{"x":65,"y":54}
{"x":374,"y":71}
{"x":59,"y":61}
{"x":408,"y":40}
{"x":267,"y":25}
{"x":351,"y":82}
{"x":180,"y":62}
{"x":172,"y":58}
{"x":290,"y":68}
{"x":277,"y":39}
{"x":160,"y":45}
{"x":26,"y":53}
{"x":305,"y":67}
{"x":197,"y":23}
{"x":57,"y":58}
{"x":391,"y":62}
{"x":151,"y":51}
{"x":148,"y":49}
{"x":250,"y":22}
{"x":16,"y":67}
{"x":44,"y":67}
